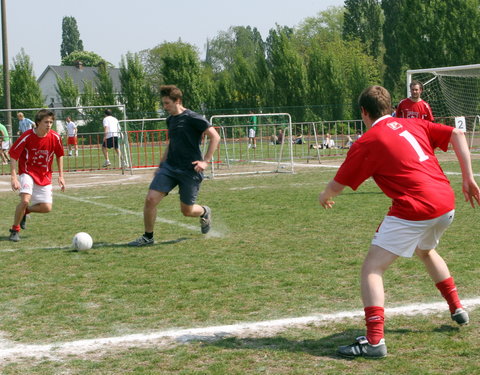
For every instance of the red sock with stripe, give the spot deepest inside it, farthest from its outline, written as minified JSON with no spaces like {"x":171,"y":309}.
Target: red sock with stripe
{"x":375,"y":321}
{"x":449,"y":291}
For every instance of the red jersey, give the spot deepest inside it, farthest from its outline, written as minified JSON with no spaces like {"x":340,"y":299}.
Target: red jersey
{"x":35,"y":155}
{"x":399,"y":155}
{"x":410,"y":109}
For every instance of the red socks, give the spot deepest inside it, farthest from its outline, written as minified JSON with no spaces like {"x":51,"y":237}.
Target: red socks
{"x":375,"y":320}
{"x":449,"y":292}
{"x":16,"y":228}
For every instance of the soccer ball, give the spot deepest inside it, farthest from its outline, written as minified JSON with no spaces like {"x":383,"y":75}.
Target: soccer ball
{"x":82,"y":241}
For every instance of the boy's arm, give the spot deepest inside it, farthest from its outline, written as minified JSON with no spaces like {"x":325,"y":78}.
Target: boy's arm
{"x":332,"y":190}
{"x":13,"y":173}
{"x":214,"y":140}
{"x":469,"y":186}
{"x":61,"y":181}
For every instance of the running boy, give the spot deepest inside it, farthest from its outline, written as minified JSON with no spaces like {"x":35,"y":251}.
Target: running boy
{"x":33,"y":154}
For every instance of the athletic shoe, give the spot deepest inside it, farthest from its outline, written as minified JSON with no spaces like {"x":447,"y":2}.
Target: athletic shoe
{"x":23,"y":223}
{"x":362,"y":348}
{"x":14,"y":236}
{"x":107,"y":163}
{"x":70,"y":153}
{"x":460,"y":316}
{"x":206,"y":220}
{"x":142,"y":241}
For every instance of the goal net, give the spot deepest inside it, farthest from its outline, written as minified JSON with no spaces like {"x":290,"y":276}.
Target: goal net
{"x":451,"y":92}
{"x":253,"y":143}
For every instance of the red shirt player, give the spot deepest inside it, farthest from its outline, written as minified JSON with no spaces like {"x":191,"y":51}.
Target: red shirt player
{"x":415,"y":106}
{"x":399,"y":154}
{"x":33,"y":154}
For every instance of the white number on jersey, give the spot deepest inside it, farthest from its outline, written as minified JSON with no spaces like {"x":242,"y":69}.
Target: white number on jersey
{"x":416,"y":146}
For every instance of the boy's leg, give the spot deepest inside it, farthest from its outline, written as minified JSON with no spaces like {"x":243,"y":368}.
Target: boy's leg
{"x":152,"y":200}
{"x":440,"y":274}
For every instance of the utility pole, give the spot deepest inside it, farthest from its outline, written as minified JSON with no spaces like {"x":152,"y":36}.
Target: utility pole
{"x":6,"y":71}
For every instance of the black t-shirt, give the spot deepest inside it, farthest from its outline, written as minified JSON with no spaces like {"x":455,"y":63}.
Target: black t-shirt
{"x":185,"y":134}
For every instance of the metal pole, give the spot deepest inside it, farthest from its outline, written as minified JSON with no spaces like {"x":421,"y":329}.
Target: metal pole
{"x":6,"y":71}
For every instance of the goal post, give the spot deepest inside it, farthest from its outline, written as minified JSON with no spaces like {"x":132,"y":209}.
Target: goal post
{"x":253,"y":143}
{"x":452,"y":92}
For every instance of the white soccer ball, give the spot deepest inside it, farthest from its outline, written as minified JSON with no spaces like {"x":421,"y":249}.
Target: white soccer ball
{"x":82,"y":241}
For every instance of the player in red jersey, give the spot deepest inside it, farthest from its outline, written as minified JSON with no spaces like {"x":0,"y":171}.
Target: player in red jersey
{"x":399,"y":154}
{"x":33,"y":154}
{"x":415,"y":106}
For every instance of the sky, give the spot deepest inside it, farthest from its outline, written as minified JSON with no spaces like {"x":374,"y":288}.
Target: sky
{"x":112,"y":28}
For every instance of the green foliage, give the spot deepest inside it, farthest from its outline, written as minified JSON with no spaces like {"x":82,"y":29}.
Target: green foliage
{"x":71,"y":41}
{"x":24,"y":89}
{"x":181,"y":67}
{"x":69,"y":95}
{"x":137,"y":94}
{"x":87,"y":58}
{"x":93,"y":117}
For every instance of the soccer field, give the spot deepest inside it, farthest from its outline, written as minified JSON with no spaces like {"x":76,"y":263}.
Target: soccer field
{"x":273,"y":254}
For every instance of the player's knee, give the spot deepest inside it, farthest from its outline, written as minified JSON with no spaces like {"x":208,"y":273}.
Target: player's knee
{"x":187,"y":210}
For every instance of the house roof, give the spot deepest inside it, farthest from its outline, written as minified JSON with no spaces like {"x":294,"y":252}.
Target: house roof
{"x":80,"y":75}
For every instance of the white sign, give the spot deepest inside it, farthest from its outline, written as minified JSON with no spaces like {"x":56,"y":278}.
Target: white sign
{"x":460,"y":123}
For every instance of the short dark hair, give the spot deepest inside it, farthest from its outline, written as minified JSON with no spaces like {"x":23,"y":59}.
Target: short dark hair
{"x":376,"y":100}
{"x":415,"y":83}
{"x":40,"y":115}
{"x":172,"y":92}
{"x":108,"y":112}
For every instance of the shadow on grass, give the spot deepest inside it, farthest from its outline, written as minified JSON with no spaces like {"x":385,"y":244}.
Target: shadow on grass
{"x":322,"y":347}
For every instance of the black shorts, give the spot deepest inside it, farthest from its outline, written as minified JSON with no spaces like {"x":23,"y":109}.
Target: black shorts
{"x":111,"y":142}
{"x":167,"y":177}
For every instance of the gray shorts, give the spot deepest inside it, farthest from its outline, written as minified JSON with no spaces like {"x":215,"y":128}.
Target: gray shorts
{"x":167,"y":177}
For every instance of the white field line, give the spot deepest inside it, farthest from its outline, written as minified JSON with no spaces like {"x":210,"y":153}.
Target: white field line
{"x":212,"y":233}
{"x":10,"y":350}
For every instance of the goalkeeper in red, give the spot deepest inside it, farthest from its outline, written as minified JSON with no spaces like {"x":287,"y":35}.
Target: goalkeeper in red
{"x":399,"y":154}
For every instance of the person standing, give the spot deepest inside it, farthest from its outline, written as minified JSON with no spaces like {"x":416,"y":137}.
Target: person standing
{"x":111,"y":130}
{"x":252,"y":132}
{"x":182,"y":164}
{"x":24,"y":123}
{"x":400,"y":156}
{"x":32,"y":154}
{"x":72,"y":141}
{"x":414,"y":106}
{"x":5,"y":144}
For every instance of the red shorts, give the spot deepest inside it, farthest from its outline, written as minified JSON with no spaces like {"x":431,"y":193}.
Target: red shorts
{"x":72,"y":141}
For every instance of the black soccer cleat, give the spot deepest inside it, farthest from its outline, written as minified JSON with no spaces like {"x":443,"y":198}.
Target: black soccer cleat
{"x":362,"y":348}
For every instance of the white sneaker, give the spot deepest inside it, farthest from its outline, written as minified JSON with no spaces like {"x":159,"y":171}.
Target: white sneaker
{"x":107,"y":163}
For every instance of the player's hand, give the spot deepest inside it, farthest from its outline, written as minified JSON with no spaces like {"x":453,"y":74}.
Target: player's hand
{"x":325,"y":201}
{"x":200,"y":165}
{"x":15,"y":184}
{"x":471,"y":191}
{"x":61,"y":182}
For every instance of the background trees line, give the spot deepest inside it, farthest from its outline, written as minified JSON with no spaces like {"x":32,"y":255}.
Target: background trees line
{"x":314,"y":71}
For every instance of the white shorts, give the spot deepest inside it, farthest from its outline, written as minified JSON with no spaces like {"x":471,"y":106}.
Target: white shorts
{"x":251,"y":133}
{"x":6,"y":145}
{"x":401,"y":237}
{"x":40,"y":194}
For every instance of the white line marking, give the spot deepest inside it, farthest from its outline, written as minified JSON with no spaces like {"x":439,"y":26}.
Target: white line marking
{"x":212,"y":233}
{"x":10,"y":349}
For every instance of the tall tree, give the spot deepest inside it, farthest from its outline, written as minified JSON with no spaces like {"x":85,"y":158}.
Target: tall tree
{"x":70,"y":37}
{"x":69,"y":94}
{"x":363,"y":21}
{"x":137,"y":94}
{"x":25,"y":91}
{"x":181,"y":67}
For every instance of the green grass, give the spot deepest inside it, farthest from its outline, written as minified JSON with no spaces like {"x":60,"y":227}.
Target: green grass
{"x":280,"y":255}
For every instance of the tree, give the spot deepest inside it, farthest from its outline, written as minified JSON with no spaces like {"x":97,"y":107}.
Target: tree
{"x":25,"y":91}
{"x":181,"y":67}
{"x":137,"y":94}
{"x":71,"y":41}
{"x":363,"y":21}
{"x":106,"y":95}
{"x":69,"y":94}
{"x":288,"y":72}
{"x":87,"y":58}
